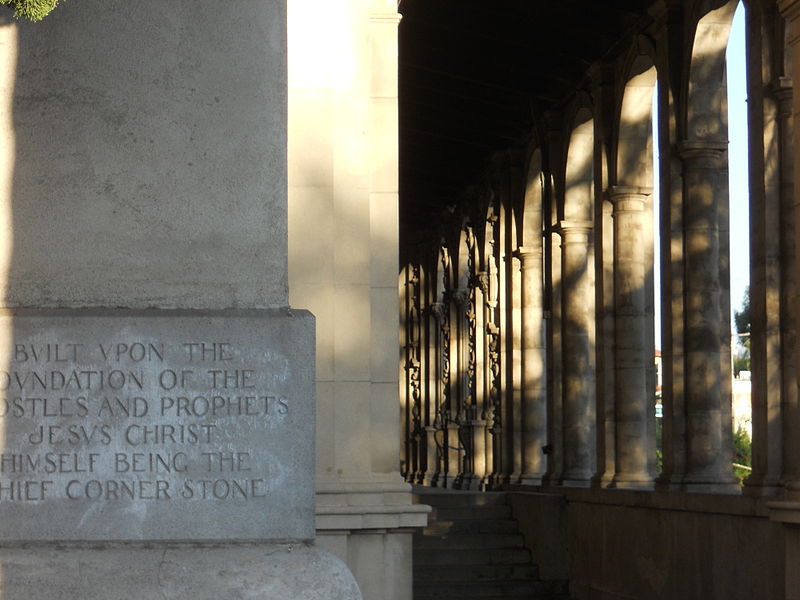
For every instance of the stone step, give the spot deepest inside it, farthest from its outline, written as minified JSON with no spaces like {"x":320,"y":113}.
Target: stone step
{"x":469,"y":557}
{"x":439,"y":527}
{"x":460,"y":499}
{"x":474,"y":573}
{"x":467,"y":540}
{"x":503,"y":588}
{"x":457,"y":513}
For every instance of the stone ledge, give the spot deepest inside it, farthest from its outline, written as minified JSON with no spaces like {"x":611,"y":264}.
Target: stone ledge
{"x":727,"y":504}
{"x":785,"y":512}
{"x":175,"y":572}
{"x":383,"y":516}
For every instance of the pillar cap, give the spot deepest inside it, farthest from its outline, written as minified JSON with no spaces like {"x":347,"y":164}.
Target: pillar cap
{"x":523,"y":251}
{"x":620,"y":191}
{"x":576,"y":226}
{"x":713,"y":149}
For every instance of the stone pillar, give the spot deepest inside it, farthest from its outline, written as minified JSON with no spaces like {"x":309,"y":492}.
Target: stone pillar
{"x":707,"y":460}
{"x":788,"y":511}
{"x":514,"y":335}
{"x":632,"y":356}
{"x":771,"y":289}
{"x":555,"y":380}
{"x":343,"y":187}
{"x":790,"y":9}
{"x":578,"y":393}
{"x":146,"y":210}
{"x":534,"y":399}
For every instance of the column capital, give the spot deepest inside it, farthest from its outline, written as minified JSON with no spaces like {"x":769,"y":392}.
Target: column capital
{"x":782,"y":90}
{"x":782,"y":84}
{"x":618,"y":191}
{"x":437,"y":310}
{"x":629,"y":198}
{"x":702,"y":153}
{"x":579,"y":227}
{"x":525,"y":252}
{"x":460,"y":296}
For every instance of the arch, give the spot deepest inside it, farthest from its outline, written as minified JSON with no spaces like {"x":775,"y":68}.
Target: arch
{"x":533,"y":204}
{"x":579,"y":176}
{"x":706,"y":109}
{"x":634,"y":163}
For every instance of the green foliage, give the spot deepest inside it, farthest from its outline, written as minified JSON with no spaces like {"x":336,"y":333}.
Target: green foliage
{"x":659,"y":445}
{"x":742,"y":453}
{"x":33,"y":10}
{"x":741,"y":319}
{"x":741,"y":363}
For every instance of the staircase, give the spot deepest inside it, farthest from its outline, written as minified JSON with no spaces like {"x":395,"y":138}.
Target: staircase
{"x":472,"y":548}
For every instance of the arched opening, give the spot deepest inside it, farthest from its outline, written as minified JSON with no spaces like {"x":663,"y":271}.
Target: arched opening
{"x":706,"y":253}
{"x":534,"y":388}
{"x":739,"y":186}
{"x":578,"y":306}
{"x":634,"y":294}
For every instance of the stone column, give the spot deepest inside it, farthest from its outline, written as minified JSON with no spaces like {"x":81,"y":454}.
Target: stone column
{"x":707,"y":461}
{"x":771,"y":288}
{"x":790,"y":9}
{"x":514,"y":335}
{"x":534,"y":399}
{"x":343,"y":186}
{"x":790,"y":458}
{"x":143,"y":209}
{"x":632,"y":356}
{"x":788,"y":510}
{"x":578,"y":392}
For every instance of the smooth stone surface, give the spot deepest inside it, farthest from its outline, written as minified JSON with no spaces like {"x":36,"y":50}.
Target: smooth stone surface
{"x":156,"y":425}
{"x":262,"y":571}
{"x":144,"y":155}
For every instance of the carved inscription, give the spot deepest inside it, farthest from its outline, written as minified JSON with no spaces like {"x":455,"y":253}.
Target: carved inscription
{"x":147,"y":418}
{"x":163,"y":420}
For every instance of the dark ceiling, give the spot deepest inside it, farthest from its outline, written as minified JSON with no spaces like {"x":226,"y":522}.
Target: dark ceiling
{"x":473,"y":73}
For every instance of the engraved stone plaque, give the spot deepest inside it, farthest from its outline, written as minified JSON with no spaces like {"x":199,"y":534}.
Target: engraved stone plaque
{"x":156,"y":425}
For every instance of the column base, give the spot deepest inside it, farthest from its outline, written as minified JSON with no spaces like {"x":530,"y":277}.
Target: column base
{"x":531,"y":478}
{"x":632,"y":481}
{"x":711,"y":487}
{"x":577,"y":483}
{"x":762,"y":487}
{"x":368,"y":522}
{"x":710,"y":481}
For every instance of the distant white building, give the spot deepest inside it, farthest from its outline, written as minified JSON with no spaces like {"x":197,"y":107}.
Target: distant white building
{"x":740,"y":400}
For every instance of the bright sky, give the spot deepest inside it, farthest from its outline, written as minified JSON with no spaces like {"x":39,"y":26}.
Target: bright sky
{"x":738,"y":180}
{"x":737,"y":160}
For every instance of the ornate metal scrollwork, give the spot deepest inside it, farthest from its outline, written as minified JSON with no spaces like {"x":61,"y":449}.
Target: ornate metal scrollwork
{"x":412,"y":365}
